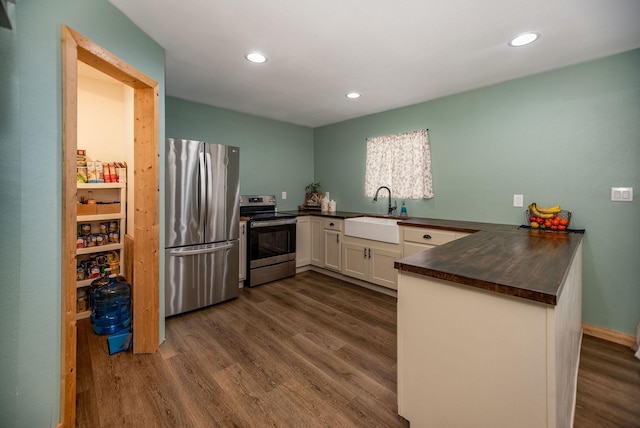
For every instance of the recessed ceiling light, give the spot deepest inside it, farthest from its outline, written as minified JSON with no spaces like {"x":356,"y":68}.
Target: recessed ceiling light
{"x":353,"y":95}
{"x":256,"y":57}
{"x":524,"y":39}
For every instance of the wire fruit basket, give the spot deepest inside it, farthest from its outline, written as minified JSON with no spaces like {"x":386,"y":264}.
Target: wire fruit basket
{"x":557,"y":221}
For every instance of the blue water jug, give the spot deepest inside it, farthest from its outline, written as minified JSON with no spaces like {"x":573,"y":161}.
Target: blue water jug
{"x":111,"y":310}
{"x":96,"y":283}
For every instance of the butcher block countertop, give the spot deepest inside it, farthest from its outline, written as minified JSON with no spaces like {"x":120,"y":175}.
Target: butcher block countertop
{"x":502,"y":258}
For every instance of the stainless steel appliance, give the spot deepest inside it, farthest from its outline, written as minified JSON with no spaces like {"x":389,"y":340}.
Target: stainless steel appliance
{"x":202,"y":224}
{"x":271,"y":240}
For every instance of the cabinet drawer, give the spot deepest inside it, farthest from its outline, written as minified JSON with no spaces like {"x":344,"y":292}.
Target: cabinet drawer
{"x":428,"y":236}
{"x":333,"y":224}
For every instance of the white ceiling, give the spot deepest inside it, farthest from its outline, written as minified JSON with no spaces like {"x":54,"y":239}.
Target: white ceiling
{"x":396,"y":53}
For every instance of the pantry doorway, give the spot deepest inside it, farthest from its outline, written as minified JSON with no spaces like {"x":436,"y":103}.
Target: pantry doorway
{"x":145,"y":290}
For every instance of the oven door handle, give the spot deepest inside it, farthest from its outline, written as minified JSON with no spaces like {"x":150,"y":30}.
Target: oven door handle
{"x":269,"y":223}
{"x":181,"y":252}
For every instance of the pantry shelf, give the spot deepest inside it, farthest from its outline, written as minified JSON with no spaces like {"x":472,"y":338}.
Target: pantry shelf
{"x":99,"y":248}
{"x":83,"y":315}
{"x":102,"y":221}
{"x":84,"y":282}
{"x":101,"y":217}
{"x":94,"y":186}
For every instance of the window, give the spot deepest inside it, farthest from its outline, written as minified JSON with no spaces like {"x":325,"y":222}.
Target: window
{"x":401,"y":162}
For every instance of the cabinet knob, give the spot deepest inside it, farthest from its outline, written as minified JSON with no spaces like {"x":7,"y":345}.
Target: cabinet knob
{"x":426,"y":236}
{"x":369,"y":252}
{"x":331,"y":224}
{"x":365,"y":253}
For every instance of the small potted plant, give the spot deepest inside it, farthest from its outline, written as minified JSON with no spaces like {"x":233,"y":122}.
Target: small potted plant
{"x":313,"y":195}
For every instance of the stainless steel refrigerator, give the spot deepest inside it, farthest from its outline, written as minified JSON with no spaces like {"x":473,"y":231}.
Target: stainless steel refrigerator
{"x":201,"y":224}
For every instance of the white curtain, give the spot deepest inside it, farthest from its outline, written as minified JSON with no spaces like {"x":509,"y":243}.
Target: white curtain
{"x":401,"y":162}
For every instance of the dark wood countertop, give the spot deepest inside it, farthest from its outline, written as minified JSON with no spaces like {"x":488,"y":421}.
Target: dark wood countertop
{"x":330,"y":214}
{"x":522,"y":263}
{"x":502,"y":258}
{"x":458,"y":225}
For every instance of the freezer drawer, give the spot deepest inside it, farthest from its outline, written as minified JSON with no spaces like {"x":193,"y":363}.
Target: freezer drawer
{"x":200,"y":275}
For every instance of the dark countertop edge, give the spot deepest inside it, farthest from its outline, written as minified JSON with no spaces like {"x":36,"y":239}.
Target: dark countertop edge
{"x":452,"y":225}
{"x":329,"y":214}
{"x":522,"y":291}
{"x":509,"y":290}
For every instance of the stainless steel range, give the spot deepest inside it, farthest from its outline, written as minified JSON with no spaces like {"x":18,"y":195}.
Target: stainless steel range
{"x":271,"y":240}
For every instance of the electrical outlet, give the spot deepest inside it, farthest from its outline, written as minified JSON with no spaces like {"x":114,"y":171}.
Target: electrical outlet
{"x":622,"y":194}
{"x":284,"y":195}
{"x":518,"y":201}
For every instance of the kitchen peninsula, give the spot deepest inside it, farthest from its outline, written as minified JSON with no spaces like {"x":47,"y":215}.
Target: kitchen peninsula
{"x":489,"y":322}
{"x":489,"y":328}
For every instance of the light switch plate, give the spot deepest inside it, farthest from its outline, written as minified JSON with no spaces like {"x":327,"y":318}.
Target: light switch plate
{"x":518,"y":201}
{"x":622,"y":194}
{"x":284,"y":195}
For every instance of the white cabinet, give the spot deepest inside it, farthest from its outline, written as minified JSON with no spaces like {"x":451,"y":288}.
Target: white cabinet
{"x":371,"y":261}
{"x":417,"y":239}
{"x":333,"y":244}
{"x":101,"y":230}
{"x":317,"y":241}
{"x":303,"y":241}
{"x":484,"y":347}
{"x":326,"y":242}
{"x":243,"y":251}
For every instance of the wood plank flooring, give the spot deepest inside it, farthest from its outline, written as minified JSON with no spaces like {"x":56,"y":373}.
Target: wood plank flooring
{"x":608,"y":385}
{"x":301,"y":352}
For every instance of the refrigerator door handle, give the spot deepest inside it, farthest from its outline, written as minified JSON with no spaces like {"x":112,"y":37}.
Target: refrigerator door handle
{"x":209,"y":196}
{"x":180,"y":252}
{"x":202,"y":194}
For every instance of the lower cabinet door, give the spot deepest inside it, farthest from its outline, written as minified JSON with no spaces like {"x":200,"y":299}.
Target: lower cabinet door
{"x":332,"y":250}
{"x":371,"y":264}
{"x":317,"y":242}
{"x":355,"y":261}
{"x":381,"y":267}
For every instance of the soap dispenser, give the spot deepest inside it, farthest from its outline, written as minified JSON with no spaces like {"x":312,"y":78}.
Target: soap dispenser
{"x":403,"y":210}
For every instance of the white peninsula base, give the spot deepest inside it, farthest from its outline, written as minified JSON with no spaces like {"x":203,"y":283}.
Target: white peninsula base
{"x":468,"y":357}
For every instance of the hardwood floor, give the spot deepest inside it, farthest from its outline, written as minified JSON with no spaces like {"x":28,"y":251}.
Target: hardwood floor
{"x":608,"y":385}
{"x":305,"y":351}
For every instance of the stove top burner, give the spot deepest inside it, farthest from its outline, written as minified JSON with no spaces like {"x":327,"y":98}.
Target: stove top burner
{"x":261,"y":208}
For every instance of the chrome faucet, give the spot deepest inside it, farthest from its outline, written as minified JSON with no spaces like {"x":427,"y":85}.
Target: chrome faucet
{"x":391,"y":208}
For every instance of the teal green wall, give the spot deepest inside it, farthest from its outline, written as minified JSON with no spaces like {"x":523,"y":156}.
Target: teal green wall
{"x":562,"y":137}
{"x":10,"y":160}
{"x":275,"y":157}
{"x":30,"y":212}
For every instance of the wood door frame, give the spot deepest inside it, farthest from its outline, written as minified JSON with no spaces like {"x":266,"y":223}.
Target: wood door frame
{"x":145,"y":290}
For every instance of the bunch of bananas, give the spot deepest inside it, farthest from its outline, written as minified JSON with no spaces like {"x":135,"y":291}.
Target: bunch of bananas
{"x":548,"y":218}
{"x":541,"y":212}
